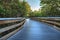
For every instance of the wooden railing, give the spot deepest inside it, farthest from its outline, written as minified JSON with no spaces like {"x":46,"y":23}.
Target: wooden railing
{"x":50,"y":20}
{"x":9,"y":26}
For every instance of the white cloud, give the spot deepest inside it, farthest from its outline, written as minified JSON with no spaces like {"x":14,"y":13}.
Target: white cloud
{"x":35,"y":8}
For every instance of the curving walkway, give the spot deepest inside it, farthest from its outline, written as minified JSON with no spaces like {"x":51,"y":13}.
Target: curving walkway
{"x":34,"y":30}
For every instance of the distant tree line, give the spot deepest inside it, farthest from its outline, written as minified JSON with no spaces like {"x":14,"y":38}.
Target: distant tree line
{"x":16,"y":8}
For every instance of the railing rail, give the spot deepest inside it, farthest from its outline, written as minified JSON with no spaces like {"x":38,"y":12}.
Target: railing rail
{"x":50,"y":20}
{"x":11,"y":26}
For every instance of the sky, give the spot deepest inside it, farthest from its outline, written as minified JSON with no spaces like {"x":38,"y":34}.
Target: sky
{"x":35,"y":4}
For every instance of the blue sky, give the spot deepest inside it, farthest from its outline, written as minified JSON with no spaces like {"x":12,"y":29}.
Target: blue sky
{"x":35,"y":4}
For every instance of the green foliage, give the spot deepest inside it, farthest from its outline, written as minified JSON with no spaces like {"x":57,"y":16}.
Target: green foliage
{"x":36,"y":14}
{"x":51,"y":7}
{"x":13,"y":8}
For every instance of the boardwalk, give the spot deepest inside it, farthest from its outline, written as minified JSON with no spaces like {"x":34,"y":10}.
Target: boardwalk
{"x":34,"y":30}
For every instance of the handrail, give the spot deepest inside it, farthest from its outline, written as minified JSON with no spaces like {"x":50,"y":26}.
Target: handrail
{"x":50,"y":20}
{"x":10,"y":27}
{"x":11,"y":18}
{"x":8,"y":20}
{"x":18,"y":22}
